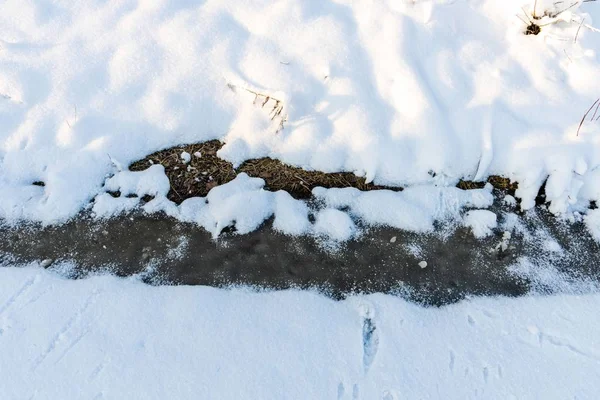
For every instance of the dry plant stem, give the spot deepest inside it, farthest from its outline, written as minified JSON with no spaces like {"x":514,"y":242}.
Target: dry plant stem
{"x":578,"y":29}
{"x":595,"y":112}
{"x":276,"y":111}
{"x":585,"y":116}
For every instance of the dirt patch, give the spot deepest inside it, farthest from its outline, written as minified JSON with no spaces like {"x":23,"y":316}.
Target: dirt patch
{"x":199,"y":170}
{"x":498,"y":182}
{"x":299,"y":182}
{"x":195,"y":178}
{"x":205,"y":170}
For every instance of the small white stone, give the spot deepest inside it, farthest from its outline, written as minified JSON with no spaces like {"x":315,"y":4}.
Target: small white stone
{"x":423,"y":264}
{"x":46,"y":263}
{"x":186,"y":157}
{"x":198,"y":154}
{"x":393,"y":239}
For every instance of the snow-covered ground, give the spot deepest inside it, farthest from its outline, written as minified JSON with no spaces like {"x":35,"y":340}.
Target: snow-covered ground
{"x":405,"y":93}
{"x":413,"y":93}
{"x":107,"y":338}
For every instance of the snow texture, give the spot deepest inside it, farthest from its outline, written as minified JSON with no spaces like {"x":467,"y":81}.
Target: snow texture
{"x":592,"y":221}
{"x":414,"y":209}
{"x":402,"y":92}
{"x":334,"y":224}
{"x":105,"y":337}
{"x":245,"y":205}
{"x":481,"y":222}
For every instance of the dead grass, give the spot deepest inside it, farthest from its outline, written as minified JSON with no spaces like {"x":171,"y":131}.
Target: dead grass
{"x":207,"y":171}
{"x":498,"y":182}
{"x":195,"y":178}
{"x":202,"y":173}
{"x":298,"y":182}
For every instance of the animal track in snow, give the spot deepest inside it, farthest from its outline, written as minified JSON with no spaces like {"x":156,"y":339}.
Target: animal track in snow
{"x":452,"y":361}
{"x":390,"y":395}
{"x":370,"y":336}
{"x":63,"y":333}
{"x":98,"y":370}
{"x":341,"y":391}
{"x":471,"y":320}
{"x":22,"y":290}
{"x":355,"y":392}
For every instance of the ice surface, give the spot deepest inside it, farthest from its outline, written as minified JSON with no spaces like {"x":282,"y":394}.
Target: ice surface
{"x":105,"y":337}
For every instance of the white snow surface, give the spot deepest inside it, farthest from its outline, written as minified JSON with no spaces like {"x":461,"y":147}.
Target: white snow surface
{"x":481,"y":222}
{"x":245,"y":205}
{"x":105,"y":337}
{"x":406,"y":93}
{"x":334,"y":224}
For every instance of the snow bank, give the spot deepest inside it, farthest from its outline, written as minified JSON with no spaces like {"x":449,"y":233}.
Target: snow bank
{"x":403,"y":93}
{"x":245,"y":205}
{"x":105,"y":337}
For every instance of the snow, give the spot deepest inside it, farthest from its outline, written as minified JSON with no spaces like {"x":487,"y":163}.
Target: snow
{"x":245,"y":205}
{"x":334,"y":224}
{"x":242,"y":201}
{"x":186,"y":157}
{"x":105,"y":337}
{"x":412,"y":94}
{"x":291,"y":216}
{"x":152,"y":182}
{"x":509,"y":200}
{"x":481,"y":222}
{"x":592,"y":222}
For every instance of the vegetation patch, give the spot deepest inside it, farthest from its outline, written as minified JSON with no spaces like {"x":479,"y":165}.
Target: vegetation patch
{"x":193,"y":170}
{"x":498,"y":182}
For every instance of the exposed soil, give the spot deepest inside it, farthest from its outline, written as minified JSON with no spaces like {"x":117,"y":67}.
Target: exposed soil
{"x":206,"y":170}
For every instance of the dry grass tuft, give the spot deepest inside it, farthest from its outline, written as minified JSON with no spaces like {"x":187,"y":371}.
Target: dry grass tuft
{"x":498,"y":182}
{"x":299,"y":182}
